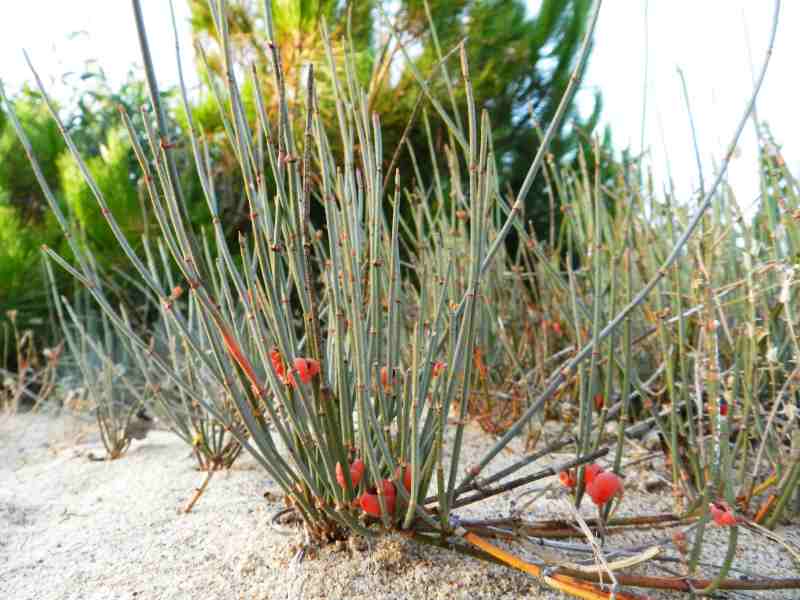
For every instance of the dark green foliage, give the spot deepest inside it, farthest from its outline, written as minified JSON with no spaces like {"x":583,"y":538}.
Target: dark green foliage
{"x":18,"y":186}
{"x":520,"y":69}
{"x":520,"y":64}
{"x":111,"y":171}
{"x":24,"y":224}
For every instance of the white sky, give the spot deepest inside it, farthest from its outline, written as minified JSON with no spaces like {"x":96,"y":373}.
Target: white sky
{"x":706,"y":38}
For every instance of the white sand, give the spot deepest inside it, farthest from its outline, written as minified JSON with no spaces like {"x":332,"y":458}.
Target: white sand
{"x":75,"y":529}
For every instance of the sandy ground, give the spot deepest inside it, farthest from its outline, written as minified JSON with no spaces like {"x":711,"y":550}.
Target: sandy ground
{"x":72,"y":529}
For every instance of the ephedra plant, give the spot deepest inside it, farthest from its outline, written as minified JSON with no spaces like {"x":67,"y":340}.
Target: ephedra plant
{"x":123,"y":385}
{"x":343,"y":373}
{"x":115,"y":391}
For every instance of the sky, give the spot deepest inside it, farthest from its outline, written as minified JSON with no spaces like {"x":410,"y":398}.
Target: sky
{"x":718,"y":44}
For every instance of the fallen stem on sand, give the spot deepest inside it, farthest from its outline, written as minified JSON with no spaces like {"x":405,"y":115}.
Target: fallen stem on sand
{"x":573,"y":581}
{"x":199,"y":491}
{"x":687,"y":584}
{"x":567,"y":584}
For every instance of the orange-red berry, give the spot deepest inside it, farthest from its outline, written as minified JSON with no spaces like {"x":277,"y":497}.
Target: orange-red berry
{"x":385,"y":377}
{"x":406,"y":477}
{"x":590,"y":472}
{"x":340,"y":475}
{"x":599,"y":402}
{"x":356,"y":473}
{"x":603,"y":487}
{"x":306,"y":368}
{"x":370,"y":503}
{"x":567,"y":479}
{"x":388,"y":488}
{"x":722,"y":514}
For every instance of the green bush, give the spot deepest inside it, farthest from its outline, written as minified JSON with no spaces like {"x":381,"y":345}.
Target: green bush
{"x":24,"y":224}
{"x":18,"y":186}
{"x":111,"y":171}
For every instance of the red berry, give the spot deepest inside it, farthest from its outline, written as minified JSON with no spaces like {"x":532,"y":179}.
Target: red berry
{"x":590,"y":472}
{"x":406,"y":477}
{"x":390,"y":503}
{"x":438,"y":367}
{"x":388,"y":488}
{"x":599,"y":402}
{"x":356,"y":473}
{"x":371,"y":505}
{"x":306,"y":368}
{"x":603,"y":487}
{"x":385,"y":378}
{"x":567,"y":479}
{"x":340,"y":475}
{"x":722,"y":514}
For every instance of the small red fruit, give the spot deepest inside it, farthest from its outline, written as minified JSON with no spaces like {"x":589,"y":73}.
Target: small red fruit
{"x":388,"y":488}
{"x":603,"y":487}
{"x":599,"y":402}
{"x":306,"y":368}
{"x":406,"y":477}
{"x":370,"y":503}
{"x":356,"y":473}
{"x":567,"y":479}
{"x":590,"y":472}
{"x":385,"y":378}
{"x":722,"y":514}
{"x":340,"y":475}
{"x":438,"y":367}
{"x":723,"y":407}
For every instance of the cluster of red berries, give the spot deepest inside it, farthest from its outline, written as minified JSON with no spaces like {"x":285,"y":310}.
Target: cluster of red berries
{"x":368,"y":501}
{"x":601,"y":485}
